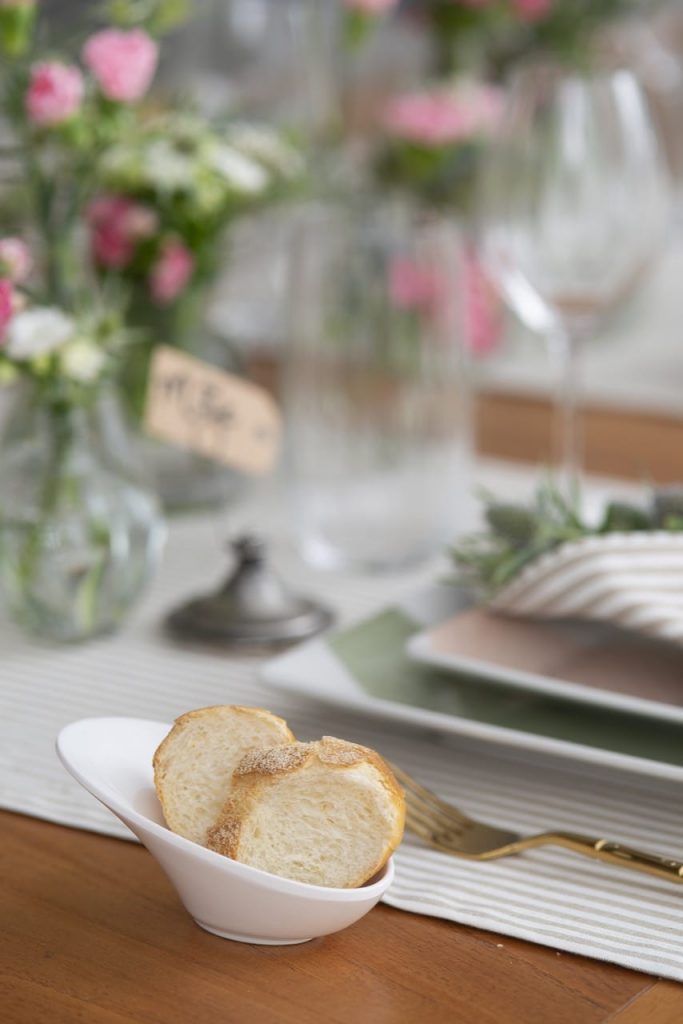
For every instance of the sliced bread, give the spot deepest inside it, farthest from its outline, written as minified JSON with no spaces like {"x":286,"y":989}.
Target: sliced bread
{"x":193,"y":766}
{"x":330,"y":813}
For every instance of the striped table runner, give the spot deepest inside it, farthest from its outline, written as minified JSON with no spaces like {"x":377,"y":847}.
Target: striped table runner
{"x":547,"y":896}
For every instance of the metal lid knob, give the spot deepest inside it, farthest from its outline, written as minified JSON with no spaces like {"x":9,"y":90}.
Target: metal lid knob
{"x":253,"y":607}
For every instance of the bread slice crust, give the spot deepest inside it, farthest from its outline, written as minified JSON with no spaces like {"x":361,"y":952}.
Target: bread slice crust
{"x":341,"y":770}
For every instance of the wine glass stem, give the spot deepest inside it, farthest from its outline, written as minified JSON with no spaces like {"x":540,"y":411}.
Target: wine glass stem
{"x":568,"y":346}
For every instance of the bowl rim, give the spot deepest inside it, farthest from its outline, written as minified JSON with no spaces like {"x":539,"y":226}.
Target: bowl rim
{"x":112,"y":800}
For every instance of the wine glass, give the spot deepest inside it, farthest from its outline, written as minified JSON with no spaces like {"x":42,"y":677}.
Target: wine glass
{"x":574,"y":206}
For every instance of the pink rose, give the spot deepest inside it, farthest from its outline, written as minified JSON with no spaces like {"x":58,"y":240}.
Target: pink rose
{"x":532,"y":10}
{"x":443,"y":117}
{"x":117,"y":224}
{"x":371,"y":6}
{"x":54,"y":94}
{"x":123,"y":63}
{"x":171,"y":273}
{"x":6,"y":305}
{"x":15,"y":259}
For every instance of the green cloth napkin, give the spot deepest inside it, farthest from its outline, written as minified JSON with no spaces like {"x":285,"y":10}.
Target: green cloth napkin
{"x":374,"y":652}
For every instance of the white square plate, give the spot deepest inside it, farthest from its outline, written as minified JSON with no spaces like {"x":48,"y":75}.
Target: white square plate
{"x":368,"y":668}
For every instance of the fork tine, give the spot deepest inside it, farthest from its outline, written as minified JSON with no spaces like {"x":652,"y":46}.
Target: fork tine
{"x":445,"y":827}
{"x":423,"y":831}
{"x":417,"y":814}
{"x":424,"y":798}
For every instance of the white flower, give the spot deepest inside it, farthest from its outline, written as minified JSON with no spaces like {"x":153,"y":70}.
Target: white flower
{"x":167,"y":168}
{"x":122,"y":164}
{"x":37,"y":332}
{"x":81,"y":360}
{"x":240,"y":173}
{"x":268,"y":147}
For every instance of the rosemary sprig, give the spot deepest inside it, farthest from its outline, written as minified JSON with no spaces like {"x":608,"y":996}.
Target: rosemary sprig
{"x":515,"y":535}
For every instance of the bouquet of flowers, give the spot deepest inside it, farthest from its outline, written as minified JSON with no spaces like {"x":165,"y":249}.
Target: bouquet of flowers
{"x":78,"y":534}
{"x":168,"y":192}
{"x":495,"y":34}
{"x":62,"y":114}
{"x":64,"y":355}
{"x":429,"y":142}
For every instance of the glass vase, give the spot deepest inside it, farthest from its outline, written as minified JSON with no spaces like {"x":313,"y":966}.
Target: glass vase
{"x":183,"y":480}
{"x":377,"y":405}
{"x":79,"y":534}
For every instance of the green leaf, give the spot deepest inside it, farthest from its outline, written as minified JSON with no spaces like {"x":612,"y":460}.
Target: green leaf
{"x":157,"y":16}
{"x":667,"y":503}
{"x":357,"y":28}
{"x":621,"y":517}
{"x":17,"y":24}
{"x":516,"y":535}
{"x":513,"y":523}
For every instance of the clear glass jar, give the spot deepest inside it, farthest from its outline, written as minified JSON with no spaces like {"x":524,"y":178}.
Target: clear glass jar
{"x":376,"y":397}
{"x":183,"y":480}
{"x":79,"y":534}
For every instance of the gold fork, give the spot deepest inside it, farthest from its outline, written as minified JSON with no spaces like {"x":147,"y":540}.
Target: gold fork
{"x":446,"y":828}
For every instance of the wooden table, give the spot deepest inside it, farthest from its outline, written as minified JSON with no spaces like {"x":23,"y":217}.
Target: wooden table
{"x":626,"y":443}
{"x":91,"y":931}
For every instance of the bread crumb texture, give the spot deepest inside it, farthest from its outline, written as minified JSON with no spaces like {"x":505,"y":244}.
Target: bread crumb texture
{"x":273,"y":760}
{"x":193,"y":765}
{"x":329,"y":813}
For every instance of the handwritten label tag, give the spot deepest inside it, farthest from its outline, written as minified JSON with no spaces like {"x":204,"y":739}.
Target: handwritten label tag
{"x":198,"y":407}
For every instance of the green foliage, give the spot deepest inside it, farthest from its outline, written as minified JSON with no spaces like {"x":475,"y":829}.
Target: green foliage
{"x":495,"y":36}
{"x":439,"y":175}
{"x":17,"y":24}
{"x":357,"y":28}
{"x":516,"y":534}
{"x":156,"y":16}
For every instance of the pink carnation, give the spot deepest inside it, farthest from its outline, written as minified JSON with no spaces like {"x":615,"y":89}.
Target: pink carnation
{"x":532,"y":10}
{"x":123,"y":63}
{"x":371,"y":6}
{"x":54,"y":94}
{"x":15,"y":259}
{"x":117,"y":224}
{"x":442,"y":118}
{"x":6,"y":305}
{"x":171,"y":273}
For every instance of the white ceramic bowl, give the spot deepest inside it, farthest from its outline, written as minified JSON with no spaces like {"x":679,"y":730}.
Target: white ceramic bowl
{"x":112,"y":759}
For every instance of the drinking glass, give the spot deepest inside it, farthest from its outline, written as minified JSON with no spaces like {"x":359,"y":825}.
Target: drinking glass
{"x":273,"y":60}
{"x":376,"y":398}
{"x":574,"y":205}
